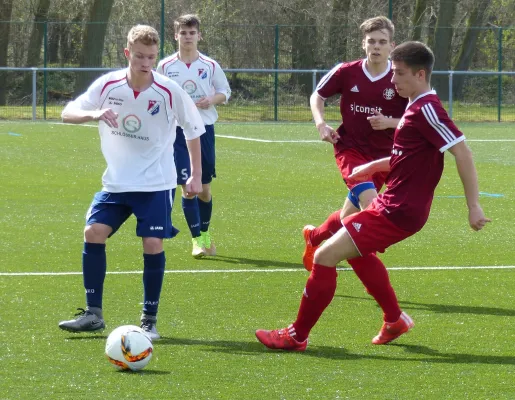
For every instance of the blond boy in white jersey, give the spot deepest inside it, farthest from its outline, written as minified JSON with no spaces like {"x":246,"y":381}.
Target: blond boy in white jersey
{"x":138,"y":111}
{"x":203,"y":79}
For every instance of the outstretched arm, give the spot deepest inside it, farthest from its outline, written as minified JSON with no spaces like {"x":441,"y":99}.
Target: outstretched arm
{"x":468,"y":176}
{"x":73,"y":115}
{"x":327,"y":133}
{"x":364,"y":172}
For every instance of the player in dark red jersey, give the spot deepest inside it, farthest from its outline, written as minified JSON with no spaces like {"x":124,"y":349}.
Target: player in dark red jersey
{"x":370,"y":109}
{"x":414,"y":169}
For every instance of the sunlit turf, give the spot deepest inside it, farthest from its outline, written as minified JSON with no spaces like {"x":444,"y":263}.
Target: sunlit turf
{"x":461,"y":347}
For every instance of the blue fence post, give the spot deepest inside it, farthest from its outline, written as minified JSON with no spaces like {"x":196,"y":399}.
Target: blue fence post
{"x":162,"y":44}
{"x":276,"y":77}
{"x":450,"y":93}
{"x":34,"y":93}
{"x":499,"y":79}
{"x":45,"y":62}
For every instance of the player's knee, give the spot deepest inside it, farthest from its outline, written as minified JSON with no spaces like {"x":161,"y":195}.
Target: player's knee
{"x":96,"y":233}
{"x":321,"y":256}
{"x":152,"y":245}
{"x":206,"y":193}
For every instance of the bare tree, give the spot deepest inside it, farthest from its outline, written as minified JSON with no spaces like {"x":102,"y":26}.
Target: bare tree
{"x":417,"y":19}
{"x":468,"y":46}
{"x":35,"y":41}
{"x":443,"y":41}
{"x":93,"y":46}
{"x":303,"y":44}
{"x":6,"y":7}
{"x":338,"y":31}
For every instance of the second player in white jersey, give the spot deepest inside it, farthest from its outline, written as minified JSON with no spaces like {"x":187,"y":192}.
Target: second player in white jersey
{"x":202,"y":78}
{"x":139,"y":152}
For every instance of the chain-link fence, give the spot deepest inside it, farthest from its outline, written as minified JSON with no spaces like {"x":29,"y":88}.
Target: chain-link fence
{"x":275,"y":95}
{"x":256,"y":95}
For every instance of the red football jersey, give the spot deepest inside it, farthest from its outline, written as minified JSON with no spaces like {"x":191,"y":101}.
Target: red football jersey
{"x":360,"y":94}
{"x":424,"y":133}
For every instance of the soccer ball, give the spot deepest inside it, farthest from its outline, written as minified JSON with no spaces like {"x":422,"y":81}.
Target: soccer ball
{"x":129,"y":348}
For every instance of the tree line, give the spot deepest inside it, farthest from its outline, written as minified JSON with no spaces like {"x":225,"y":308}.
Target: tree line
{"x":286,"y":34}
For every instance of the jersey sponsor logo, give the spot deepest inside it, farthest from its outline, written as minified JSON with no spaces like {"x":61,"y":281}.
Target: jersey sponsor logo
{"x":355,"y":89}
{"x":358,"y":108}
{"x":173,"y":74}
{"x":153,"y":107}
{"x":132,"y":123}
{"x":202,"y":73}
{"x":189,"y":87}
{"x":389,"y":93}
{"x":356,"y":226}
{"x":114,"y":100}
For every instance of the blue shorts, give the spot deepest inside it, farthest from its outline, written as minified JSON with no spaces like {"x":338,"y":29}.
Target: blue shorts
{"x":182,"y":157}
{"x":153,"y":212}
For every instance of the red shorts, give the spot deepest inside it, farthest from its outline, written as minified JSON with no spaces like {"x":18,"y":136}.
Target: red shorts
{"x":348,"y":159}
{"x":371,"y":231}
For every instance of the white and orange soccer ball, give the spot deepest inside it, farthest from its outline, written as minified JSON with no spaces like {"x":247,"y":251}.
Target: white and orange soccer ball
{"x":129,"y":348}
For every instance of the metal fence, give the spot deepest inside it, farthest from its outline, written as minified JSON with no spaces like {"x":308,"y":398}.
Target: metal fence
{"x":274,"y":94}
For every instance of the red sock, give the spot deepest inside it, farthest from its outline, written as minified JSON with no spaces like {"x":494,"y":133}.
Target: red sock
{"x":318,"y":294}
{"x":323,"y":232}
{"x":373,"y":274}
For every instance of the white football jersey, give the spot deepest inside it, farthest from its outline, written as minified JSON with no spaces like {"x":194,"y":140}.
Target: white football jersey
{"x":139,"y":152}
{"x":201,"y":78}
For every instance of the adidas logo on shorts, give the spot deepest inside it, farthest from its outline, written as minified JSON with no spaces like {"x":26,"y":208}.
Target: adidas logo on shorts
{"x":356,"y":226}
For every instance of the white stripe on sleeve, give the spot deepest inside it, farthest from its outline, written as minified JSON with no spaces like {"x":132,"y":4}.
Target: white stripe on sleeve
{"x":438,"y":126}
{"x":326,"y":77}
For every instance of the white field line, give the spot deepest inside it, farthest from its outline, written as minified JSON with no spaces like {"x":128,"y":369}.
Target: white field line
{"x":274,"y":270}
{"x":288,"y":141}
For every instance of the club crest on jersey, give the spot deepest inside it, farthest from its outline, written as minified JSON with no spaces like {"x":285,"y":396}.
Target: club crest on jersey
{"x":153,"y":107}
{"x":389,"y":93}
{"x":202,"y":73}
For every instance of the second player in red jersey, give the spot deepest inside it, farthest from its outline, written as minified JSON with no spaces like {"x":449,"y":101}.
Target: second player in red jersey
{"x":362,"y":96}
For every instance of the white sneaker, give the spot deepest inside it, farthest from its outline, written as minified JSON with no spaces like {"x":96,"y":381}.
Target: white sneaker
{"x":198,"y":250}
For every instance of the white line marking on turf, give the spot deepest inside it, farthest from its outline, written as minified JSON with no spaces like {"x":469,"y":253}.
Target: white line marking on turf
{"x":229,"y":271}
{"x":267,"y":140}
{"x":288,"y":141}
{"x":490,"y":140}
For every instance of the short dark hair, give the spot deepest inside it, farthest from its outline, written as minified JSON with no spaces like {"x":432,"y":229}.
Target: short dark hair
{"x":416,"y":56}
{"x":189,"y":20}
{"x":377,"y":24}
